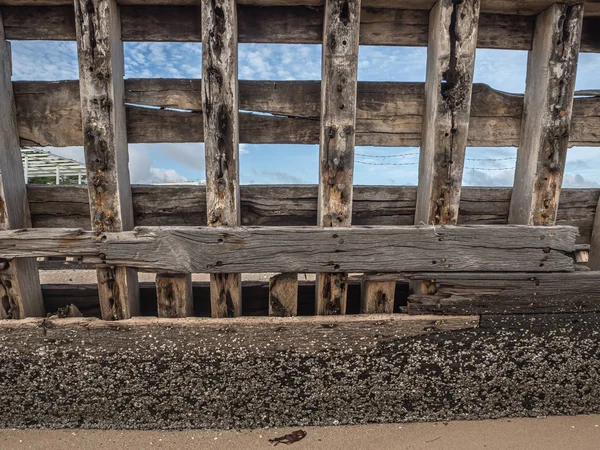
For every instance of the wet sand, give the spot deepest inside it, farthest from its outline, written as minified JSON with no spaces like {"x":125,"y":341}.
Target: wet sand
{"x":552,"y":433}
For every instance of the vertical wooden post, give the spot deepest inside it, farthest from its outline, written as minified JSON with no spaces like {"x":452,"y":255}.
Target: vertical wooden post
{"x":221,"y":142}
{"x":336,"y":154}
{"x":594,"y":254}
{"x":20,"y":291}
{"x":101,"y":71}
{"x":450,"y":63}
{"x":283,"y":295}
{"x":551,"y":70}
{"x":377,"y":297}
{"x":174,"y":295}
{"x":452,"y":43}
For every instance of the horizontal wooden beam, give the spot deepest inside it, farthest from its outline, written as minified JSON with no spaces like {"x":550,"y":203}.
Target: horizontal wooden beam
{"x":505,"y":293}
{"x":520,"y":7}
{"x":287,"y":205}
{"x":307,"y":249}
{"x":388,"y":114}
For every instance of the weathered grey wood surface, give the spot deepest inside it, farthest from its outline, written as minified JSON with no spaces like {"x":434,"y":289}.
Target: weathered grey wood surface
{"x":101,"y":72}
{"x":20,"y":292}
{"x":505,"y":293}
{"x":308,"y":249}
{"x":221,"y":138}
{"x":453,"y":28}
{"x":219,"y":375}
{"x":286,"y":205}
{"x":388,"y":114}
{"x":337,"y":136}
{"x":174,"y":295}
{"x":377,"y":297}
{"x":545,"y":126}
{"x":283,"y":295}
{"x":594,"y":254}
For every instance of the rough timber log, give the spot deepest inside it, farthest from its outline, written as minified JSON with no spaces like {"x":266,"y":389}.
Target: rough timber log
{"x":101,"y":71}
{"x":220,"y":113}
{"x":20,"y":293}
{"x":506,"y":293}
{"x":308,"y":249}
{"x":257,"y":372}
{"x":288,"y":205}
{"x":388,"y":114}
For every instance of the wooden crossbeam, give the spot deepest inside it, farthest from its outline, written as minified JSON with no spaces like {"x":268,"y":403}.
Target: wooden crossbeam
{"x":388,"y":113}
{"x":221,"y":141}
{"x":545,"y":126}
{"x":508,"y":248}
{"x":101,"y":72}
{"x":20,"y":291}
{"x":338,"y":131}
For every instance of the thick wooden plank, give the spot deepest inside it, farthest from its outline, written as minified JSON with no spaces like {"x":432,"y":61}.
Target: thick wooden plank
{"x":520,"y":7}
{"x":594,"y":254}
{"x":221,"y":138}
{"x":450,"y":63}
{"x":545,"y":126}
{"x":505,"y":293}
{"x":101,"y":72}
{"x":288,"y":205}
{"x":174,"y":295}
{"x":448,"y":248}
{"x":283,"y":295}
{"x":337,"y":136}
{"x":387,"y":113}
{"x":20,"y":292}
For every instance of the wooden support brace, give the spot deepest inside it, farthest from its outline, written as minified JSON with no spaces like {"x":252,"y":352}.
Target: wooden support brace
{"x":545,"y":124}
{"x":283,"y":295}
{"x":101,"y":72}
{"x":174,"y":295}
{"x":453,"y":29}
{"x":448,"y":86}
{"x":221,"y":141}
{"x":594,"y":253}
{"x":337,"y":136}
{"x":20,"y":291}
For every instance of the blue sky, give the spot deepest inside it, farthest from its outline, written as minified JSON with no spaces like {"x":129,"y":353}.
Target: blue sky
{"x":297,"y":164}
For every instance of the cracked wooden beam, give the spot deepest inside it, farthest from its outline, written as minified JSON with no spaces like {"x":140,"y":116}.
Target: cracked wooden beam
{"x":20,"y":291}
{"x":221,"y":140}
{"x":546,"y":120}
{"x":101,"y":86}
{"x":337,"y":136}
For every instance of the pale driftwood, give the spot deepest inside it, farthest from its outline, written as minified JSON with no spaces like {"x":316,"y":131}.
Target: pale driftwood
{"x":20,"y":291}
{"x":545,"y":127}
{"x":448,"y":248}
{"x":450,"y":63}
{"x":174,"y":295}
{"x":388,"y":114}
{"x":101,"y":72}
{"x":283,"y":295}
{"x":221,"y":138}
{"x":337,"y":137}
{"x":377,"y":297}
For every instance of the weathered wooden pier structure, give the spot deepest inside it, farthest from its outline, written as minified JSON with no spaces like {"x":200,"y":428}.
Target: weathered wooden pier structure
{"x":431,"y":302}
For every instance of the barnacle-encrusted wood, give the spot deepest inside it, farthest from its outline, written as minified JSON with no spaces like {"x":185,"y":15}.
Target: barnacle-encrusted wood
{"x":221,"y":142}
{"x":450,"y":62}
{"x":20,"y":292}
{"x":545,"y":126}
{"x":338,"y":130}
{"x":101,"y":72}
